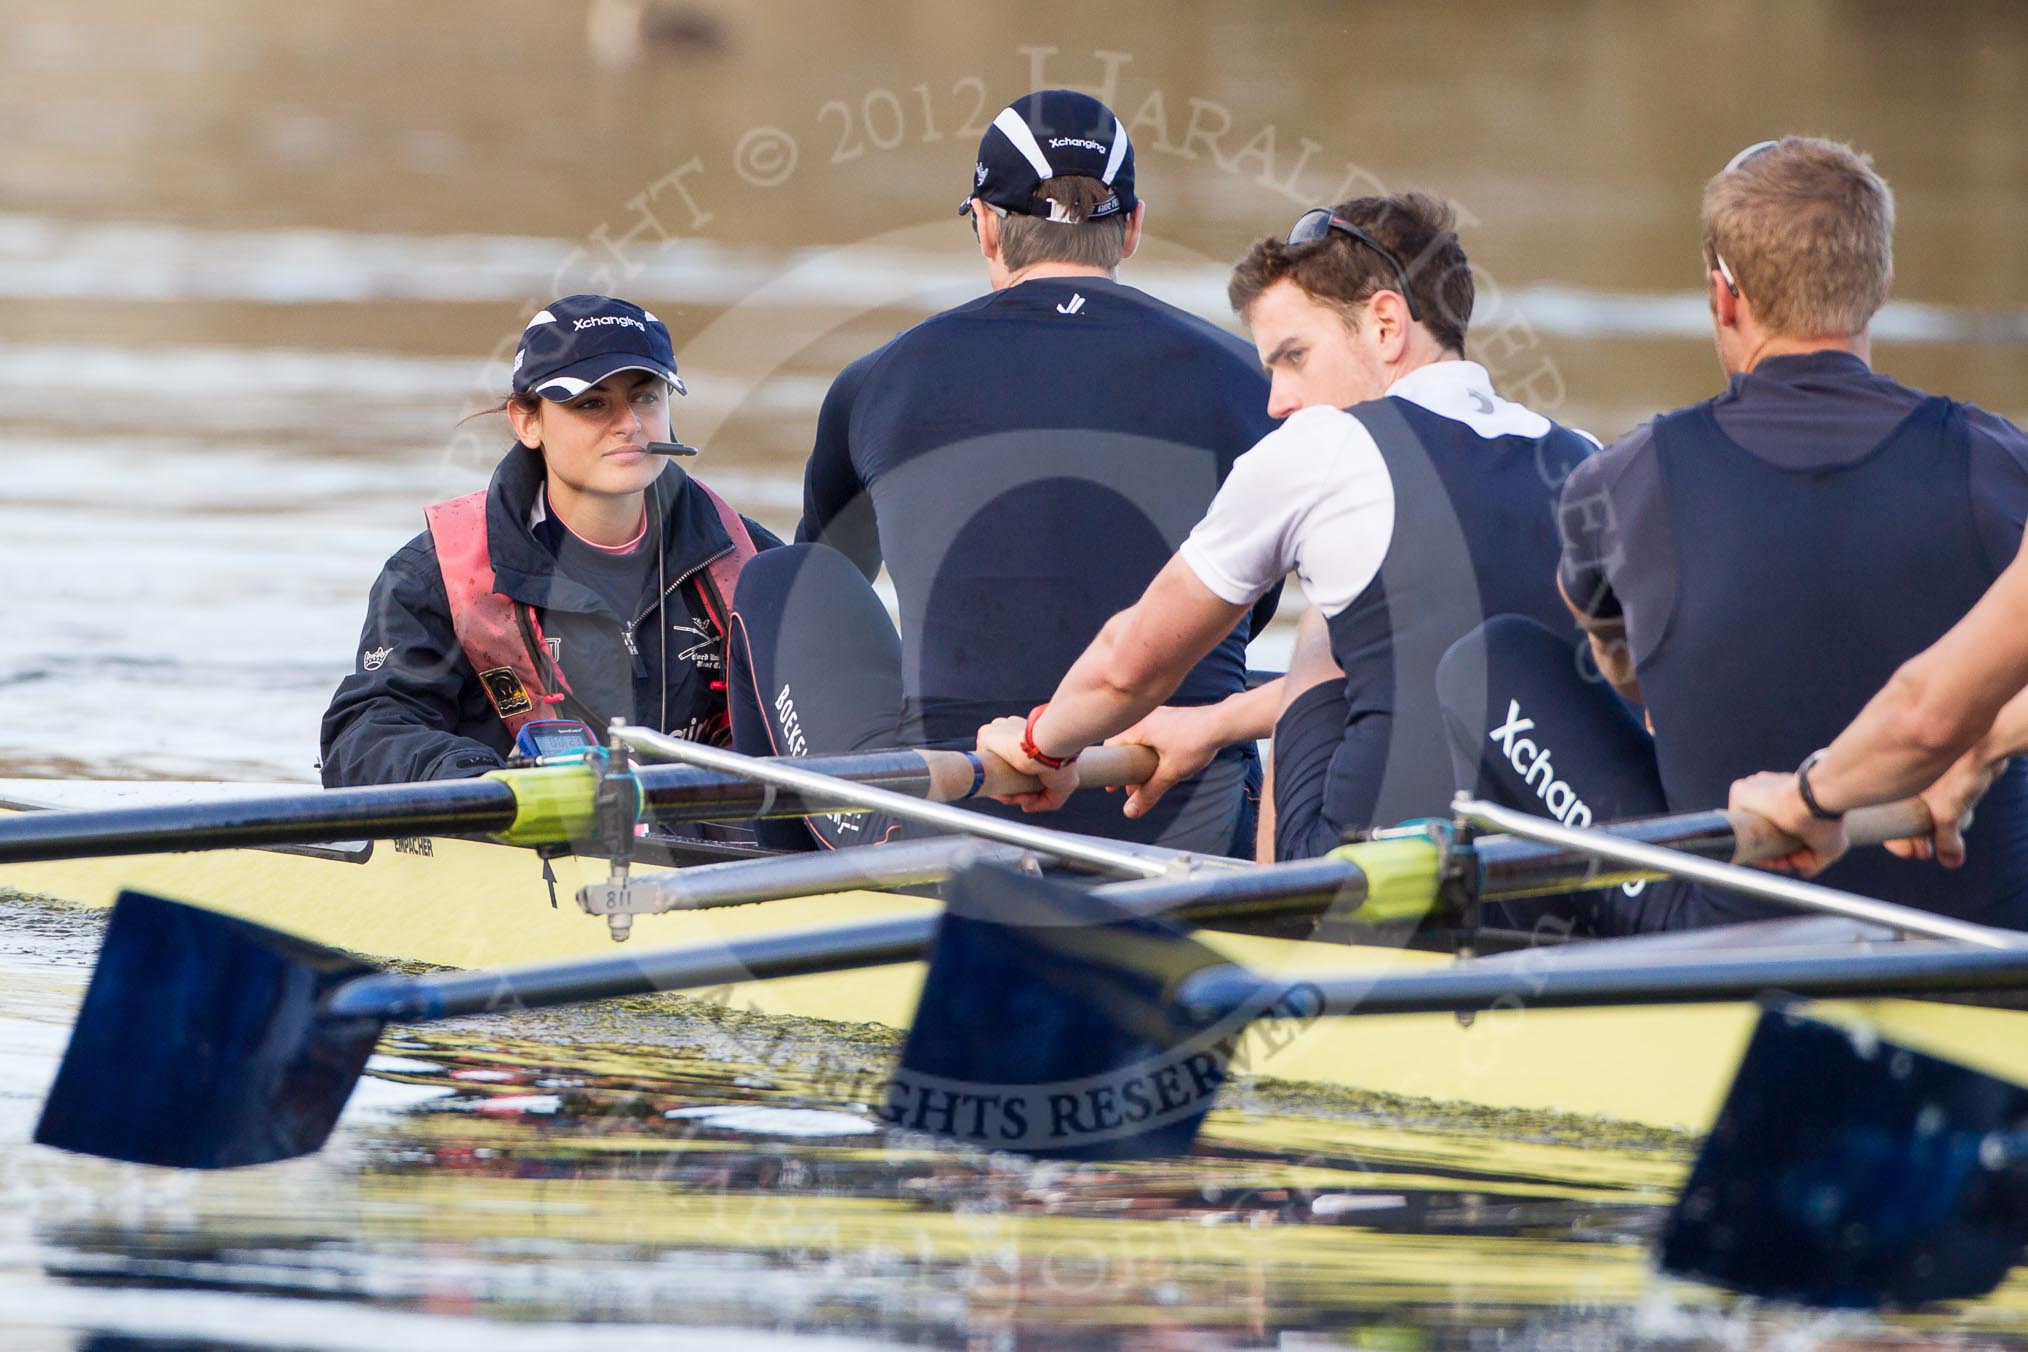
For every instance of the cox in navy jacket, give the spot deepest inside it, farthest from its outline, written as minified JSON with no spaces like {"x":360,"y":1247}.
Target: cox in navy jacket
{"x":413,"y":707}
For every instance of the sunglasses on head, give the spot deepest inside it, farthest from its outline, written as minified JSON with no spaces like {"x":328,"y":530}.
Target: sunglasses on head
{"x":1743,"y":156}
{"x":1318,"y":223}
{"x":1725,"y":270}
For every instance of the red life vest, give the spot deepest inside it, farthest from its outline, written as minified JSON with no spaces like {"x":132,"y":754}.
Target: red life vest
{"x":503,"y":638}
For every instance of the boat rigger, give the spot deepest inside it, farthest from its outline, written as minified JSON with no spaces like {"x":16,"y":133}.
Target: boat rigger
{"x":1083,"y":1022}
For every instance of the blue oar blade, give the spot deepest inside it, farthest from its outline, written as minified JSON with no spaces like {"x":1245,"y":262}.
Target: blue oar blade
{"x":200,"y":1044}
{"x":1847,"y":1171}
{"x":1044,"y":1027}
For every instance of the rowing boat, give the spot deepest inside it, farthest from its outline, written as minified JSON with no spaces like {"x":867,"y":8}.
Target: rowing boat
{"x":455,"y":902}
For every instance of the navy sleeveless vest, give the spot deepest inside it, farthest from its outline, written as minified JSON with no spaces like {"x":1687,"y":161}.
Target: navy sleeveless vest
{"x":1798,"y":593}
{"x":1474,"y":536}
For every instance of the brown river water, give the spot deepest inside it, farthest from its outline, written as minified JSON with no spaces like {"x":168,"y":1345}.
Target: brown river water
{"x":257,"y":260}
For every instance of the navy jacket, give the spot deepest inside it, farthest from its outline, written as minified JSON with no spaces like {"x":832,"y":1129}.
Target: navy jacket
{"x":1024,"y":464}
{"x":413,"y":707}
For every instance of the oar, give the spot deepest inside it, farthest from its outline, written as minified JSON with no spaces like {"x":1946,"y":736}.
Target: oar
{"x":902,"y":863}
{"x":1846,"y":1170}
{"x":812,"y":782}
{"x":1789,"y":892}
{"x":1091,"y":988}
{"x":1105,"y":1032}
{"x":1394,"y":879}
{"x":742,"y":882}
{"x":206,"y":1041}
{"x":543,"y":805}
{"x":1647,"y":848}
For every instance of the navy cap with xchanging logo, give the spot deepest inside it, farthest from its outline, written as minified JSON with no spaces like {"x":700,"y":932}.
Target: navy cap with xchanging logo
{"x":1053,"y":133}
{"x":574,"y":343}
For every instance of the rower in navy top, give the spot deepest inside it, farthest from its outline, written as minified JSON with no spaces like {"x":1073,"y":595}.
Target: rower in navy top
{"x":1408,"y":516}
{"x":1109,"y":420}
{"x":1753,"y":568}
{"x":1022,"y":465}
{"x":1474,"y":527}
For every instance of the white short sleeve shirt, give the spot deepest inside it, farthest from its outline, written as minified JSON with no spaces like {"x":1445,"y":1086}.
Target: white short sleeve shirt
{"x":1314,"y":496}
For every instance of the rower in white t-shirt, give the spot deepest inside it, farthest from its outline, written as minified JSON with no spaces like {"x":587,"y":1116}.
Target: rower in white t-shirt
{"x":1411,"y":501}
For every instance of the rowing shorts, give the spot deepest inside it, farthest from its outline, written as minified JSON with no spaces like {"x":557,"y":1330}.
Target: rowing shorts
{"x":1327,"y":772}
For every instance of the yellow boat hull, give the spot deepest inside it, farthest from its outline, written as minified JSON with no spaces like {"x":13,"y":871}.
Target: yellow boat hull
{"x":453,"y":902}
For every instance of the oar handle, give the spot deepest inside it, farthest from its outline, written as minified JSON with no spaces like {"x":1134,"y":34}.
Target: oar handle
{"x":952,"y":773}
{"x":1756,"y":838}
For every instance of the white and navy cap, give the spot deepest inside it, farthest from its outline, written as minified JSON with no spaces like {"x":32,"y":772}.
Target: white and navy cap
{"x":576,"y":342}
{"x":1053,"y":133}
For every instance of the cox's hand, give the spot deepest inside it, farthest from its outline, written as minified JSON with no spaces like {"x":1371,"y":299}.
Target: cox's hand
{"x":1183,"y":739}
{"x":1772,"y":794}
{"x":1003,"y":737}
{"x":1950,"y":801}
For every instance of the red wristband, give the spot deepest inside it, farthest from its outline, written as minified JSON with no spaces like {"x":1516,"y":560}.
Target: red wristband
{"x":1033,"y":752}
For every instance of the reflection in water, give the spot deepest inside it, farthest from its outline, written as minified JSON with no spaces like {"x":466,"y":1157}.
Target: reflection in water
{"x":538,"y":1182}
{"x":496,"y":1180}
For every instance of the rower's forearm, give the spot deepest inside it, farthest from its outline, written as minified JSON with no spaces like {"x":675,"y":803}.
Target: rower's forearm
{"x":1247,"y":716}
{"x":1250,"y":715}
{"x":1903,"y":740}
{"x":1954,"y":695}
{"x":2009,"y":733}
{"x":1136,"y":662}
{"x":1094,"y":703}
{"x":1116,"y":683}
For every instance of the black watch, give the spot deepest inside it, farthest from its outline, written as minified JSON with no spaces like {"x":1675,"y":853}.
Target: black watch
{"x":1803,"y":787}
